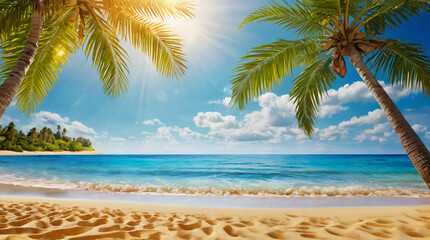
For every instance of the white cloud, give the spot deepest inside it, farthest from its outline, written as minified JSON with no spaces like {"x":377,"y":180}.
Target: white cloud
{"x":225,"y":101}
{"x":378,"y":133}
{"x":51,"y":120}
{"x":172,"y":134}
{"x":188,"y":133}
{"x":355,"y":92}
{"x":268,"y":124}
{"x":147,"y":133}
{"x":419,"y":128}
{"x":117,"y":139}
{"x":152,"y":122}
{"x":164,"y":133}
{"x":330,"y":133}
{"x":373,"y":117}
{"x":427,"y":135}
{"x":215,"y":120}
{"x":5,"y":120}
{"x":334,"y":132}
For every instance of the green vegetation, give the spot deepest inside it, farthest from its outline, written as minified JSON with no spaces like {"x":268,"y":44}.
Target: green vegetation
{"x":45,"y":140}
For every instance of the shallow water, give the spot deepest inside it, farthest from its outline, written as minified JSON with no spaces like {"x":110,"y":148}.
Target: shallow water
{"x":286,"y":175}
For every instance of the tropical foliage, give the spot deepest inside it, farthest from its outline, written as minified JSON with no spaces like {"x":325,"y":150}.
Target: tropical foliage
{"x":97,"y":27}
{"x":326,"y":30}
{"x":44,"y":140}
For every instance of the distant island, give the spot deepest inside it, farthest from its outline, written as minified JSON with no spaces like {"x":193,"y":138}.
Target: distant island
{"x":43,"y":141}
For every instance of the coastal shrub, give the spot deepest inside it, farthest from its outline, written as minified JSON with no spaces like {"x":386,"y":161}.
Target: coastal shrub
{"x":51,"y":147}
{"x":10,"y":145}
{"x":17,"y":148}
{"x":66,"y":139}
{"x":63,"y":146}
{"x":76,"y":146}
{"x":88,"y":149}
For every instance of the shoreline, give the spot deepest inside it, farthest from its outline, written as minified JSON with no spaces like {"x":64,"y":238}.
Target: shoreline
{"x":243,"y":201}
{"x":29,"y":153}
{"x":48,"y":218}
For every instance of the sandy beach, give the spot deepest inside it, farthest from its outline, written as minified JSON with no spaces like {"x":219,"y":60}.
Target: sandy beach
{"x":12,"y":153}
{"x":48,"y":218}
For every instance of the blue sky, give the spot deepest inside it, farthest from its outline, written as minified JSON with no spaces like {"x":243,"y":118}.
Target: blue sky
{"x":161,"y":115}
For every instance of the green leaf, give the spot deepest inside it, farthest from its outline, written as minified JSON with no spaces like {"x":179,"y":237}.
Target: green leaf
{"x":390,"y":14}
{"x":308,"y":89}
{"x":12,"y":48}
{"x":154,"y":9}
{"x":107,"y":55}
{"x":57,"y":43}
{"x":297,"y":16}
{"x":161,"y":45}
{"x":406,"y":64}
{"x":261,"y":68}
{"x":12,"y":14}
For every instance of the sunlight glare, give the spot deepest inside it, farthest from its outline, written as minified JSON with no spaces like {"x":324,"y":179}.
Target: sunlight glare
{"x":60,"y":53}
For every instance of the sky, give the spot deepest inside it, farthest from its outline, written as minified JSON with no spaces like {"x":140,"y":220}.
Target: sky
{"x":189,"y":116}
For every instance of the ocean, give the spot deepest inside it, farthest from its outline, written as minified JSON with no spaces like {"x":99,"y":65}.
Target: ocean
{"x":220,"y":175}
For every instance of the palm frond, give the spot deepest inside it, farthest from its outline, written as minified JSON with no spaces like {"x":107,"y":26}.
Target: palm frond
{"x":12,"y":48}
{"x":297,"y":16}
{"x":107,"y":55}
{"x":12,"y":14}
{"x":161,"y":45}
{"x":331,"y":7}
{"x":406,"y":64}
{"x":266,"y":65}
{"x":155,"y":9}
{"x":308,"y":89}
{"x":389,"y":14}
{"x":57,"y":43}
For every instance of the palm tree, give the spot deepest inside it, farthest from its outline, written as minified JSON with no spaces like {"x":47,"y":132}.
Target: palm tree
{"x":39,"y":36}
{"x":329,"y":30}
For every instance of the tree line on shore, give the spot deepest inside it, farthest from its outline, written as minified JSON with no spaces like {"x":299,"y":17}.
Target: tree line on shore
{"x":44,"y":140}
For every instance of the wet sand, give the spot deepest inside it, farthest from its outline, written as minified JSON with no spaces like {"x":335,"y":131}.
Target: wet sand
{"x":48,"y":218}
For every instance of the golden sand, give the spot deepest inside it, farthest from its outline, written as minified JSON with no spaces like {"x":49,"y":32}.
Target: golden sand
{"x":12,"y":153}
{"x":44,"y":218}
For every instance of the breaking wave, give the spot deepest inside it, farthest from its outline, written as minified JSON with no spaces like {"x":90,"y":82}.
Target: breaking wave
{"x":287,"y":191}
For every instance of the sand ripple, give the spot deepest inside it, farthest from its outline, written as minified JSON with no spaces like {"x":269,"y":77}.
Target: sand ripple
{"x":38,"y":220}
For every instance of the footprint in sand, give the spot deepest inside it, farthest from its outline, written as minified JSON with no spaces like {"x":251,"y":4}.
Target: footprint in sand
{"x":234,"y":232}
{"x":61,"y":233}
{"x":184,"y":235}
{"x":410,"y":232}
{"x":208,"y":230}
{"x":276,"y":234}
{"x":21,"y":222}
{"x":96,"y":223}
{"x":211,"y":222}
{"x":19,"y":230}
{"x":191,"y":226}
{"x":114,"y":235}
{"x":57,"y":222}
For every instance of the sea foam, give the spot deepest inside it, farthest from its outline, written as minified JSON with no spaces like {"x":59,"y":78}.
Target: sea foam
{"x":287,"y":191}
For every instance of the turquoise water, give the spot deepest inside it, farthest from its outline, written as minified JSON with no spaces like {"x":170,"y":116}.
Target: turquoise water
{"x":289,"y":175}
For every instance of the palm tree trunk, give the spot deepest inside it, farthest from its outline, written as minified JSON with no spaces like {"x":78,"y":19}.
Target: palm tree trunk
{"x":11,"y":85}
{"x":414,"y":147}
